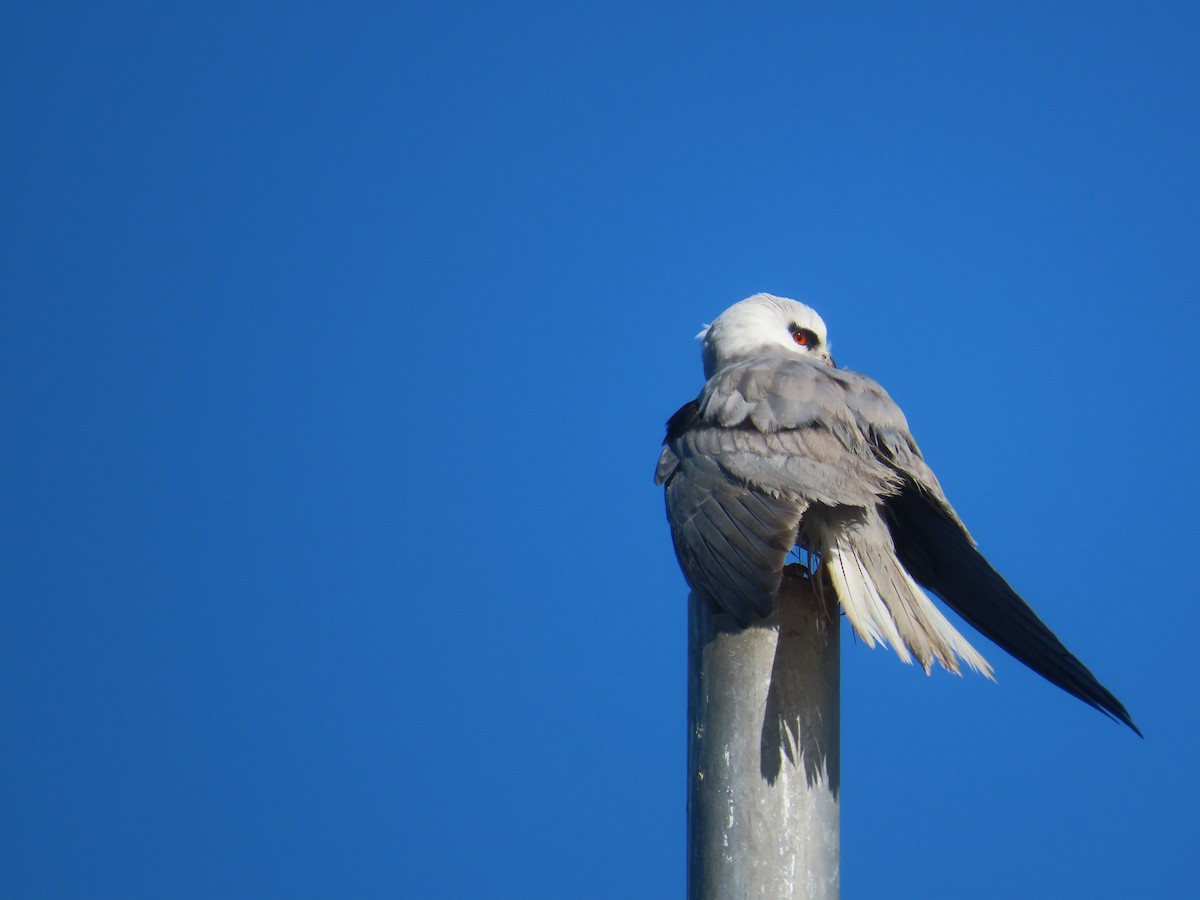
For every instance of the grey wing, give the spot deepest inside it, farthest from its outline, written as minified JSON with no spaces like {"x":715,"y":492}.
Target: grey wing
{"x":881,"y":423}
{"x":731,"y":542}
{"x":766,"y":439}
{"x":785,"y":427}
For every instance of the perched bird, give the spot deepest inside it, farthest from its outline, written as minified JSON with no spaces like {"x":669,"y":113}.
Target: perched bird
{"x":783,"y":450}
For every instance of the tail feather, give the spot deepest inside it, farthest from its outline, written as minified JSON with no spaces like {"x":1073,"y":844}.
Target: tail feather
{"x":860,"y":599}
{"x":881,"y":599}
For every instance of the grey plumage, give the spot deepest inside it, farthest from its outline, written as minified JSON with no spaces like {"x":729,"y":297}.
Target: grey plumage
{"x":782,"y":449}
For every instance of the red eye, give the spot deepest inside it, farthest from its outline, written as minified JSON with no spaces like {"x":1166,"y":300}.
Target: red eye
{"x":804,"y":337}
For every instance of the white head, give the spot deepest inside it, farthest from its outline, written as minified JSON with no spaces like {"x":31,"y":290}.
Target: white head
{"x":763,"y":325}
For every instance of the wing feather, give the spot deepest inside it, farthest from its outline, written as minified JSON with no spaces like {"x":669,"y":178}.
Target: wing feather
{"x":731,"y":545}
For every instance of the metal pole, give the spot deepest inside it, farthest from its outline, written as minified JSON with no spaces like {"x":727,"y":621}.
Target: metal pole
{"x":764,"y":749}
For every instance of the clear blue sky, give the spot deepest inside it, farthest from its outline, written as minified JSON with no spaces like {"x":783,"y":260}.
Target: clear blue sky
{"x":337,"y":343}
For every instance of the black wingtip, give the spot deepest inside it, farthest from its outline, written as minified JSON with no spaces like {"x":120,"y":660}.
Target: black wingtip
{"x":940,"y":556}
{"x":1079,"y":682}
{"x":1120,"y":715}
{"x":1101,"y":698}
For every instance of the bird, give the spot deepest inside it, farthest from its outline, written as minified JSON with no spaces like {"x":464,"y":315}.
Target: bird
{"x":783,"y":452}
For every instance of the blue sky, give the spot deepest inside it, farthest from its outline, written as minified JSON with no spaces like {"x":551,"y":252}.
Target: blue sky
{"x":337,"y":343}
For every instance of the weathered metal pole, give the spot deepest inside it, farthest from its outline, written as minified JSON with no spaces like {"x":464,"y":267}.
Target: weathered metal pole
{"x":763,"y":749}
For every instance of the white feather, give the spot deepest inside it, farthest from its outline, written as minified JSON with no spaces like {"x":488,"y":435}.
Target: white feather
{"x":880,"y":597}
{"x":860,"y":599}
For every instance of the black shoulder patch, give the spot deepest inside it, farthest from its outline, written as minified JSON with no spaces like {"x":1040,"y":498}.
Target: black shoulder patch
{"x":683,"y":420}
